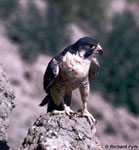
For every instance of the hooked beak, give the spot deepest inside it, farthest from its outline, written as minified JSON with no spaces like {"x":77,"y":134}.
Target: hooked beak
{"x":98,"y":50}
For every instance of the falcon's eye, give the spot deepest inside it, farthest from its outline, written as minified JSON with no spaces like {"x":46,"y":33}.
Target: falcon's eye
{"x":92,"y":46}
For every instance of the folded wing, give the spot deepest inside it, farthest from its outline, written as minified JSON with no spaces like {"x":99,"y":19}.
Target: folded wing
{"x":94,"y":70}
{"x":50,"y":75}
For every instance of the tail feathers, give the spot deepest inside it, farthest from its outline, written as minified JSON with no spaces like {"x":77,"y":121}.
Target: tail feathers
{"x":45,"y":100}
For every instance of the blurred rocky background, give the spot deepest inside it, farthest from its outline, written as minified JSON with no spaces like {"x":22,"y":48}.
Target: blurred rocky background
{"x":32,"y":31}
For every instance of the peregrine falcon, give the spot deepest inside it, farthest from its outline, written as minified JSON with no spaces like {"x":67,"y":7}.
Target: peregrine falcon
{"x":73,"y":68}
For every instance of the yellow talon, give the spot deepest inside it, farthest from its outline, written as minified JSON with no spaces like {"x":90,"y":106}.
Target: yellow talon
{"x":90,"y":117}
{"x":66,"y":110}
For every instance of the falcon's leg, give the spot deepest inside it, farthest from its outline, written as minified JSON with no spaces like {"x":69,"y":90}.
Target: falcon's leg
{"x":67,"y":99}
{"x":59,"y":99}
{"x":84,"y":90}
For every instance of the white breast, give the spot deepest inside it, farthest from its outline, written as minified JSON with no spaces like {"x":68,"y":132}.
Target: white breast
{"x":75,"y":65}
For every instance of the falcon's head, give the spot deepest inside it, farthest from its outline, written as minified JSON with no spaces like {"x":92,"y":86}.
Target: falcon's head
{"x":88,"y":46}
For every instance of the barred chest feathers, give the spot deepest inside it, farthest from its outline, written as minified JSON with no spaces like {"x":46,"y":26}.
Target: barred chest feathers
{"x":75,"y":66}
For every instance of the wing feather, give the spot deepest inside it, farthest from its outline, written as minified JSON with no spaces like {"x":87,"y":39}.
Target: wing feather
{"x":94,"y":69}
{"x":50,"y":75}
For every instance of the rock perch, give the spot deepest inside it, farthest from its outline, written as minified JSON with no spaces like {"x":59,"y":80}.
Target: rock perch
{"x":61,"y":132}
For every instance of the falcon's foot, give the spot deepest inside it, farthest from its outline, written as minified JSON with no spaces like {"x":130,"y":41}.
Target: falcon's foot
{"x":66,"y":110}
{"x":90,"y":118}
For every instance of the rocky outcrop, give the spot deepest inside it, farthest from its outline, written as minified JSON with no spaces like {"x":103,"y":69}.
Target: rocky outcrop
{"x":61,"y":132}
{"x":50,"y":131}
{"x":6,"y":106}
